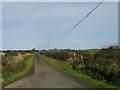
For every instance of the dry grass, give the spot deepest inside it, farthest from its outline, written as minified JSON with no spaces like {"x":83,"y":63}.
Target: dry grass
{"x":15,"y":67}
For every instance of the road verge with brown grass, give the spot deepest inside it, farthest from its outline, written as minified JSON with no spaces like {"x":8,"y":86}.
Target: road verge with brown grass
{"x":10,"y":75}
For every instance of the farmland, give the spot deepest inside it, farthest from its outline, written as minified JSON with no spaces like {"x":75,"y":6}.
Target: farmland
{"x":94,"y":68}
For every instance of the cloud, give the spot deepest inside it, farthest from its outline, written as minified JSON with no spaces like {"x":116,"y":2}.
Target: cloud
{"x":0,"y":25}
{"x":32,"y":23}
{"x":59,"y":0}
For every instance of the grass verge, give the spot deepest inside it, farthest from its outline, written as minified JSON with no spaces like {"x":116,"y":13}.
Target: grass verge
{"x":65,"y":66}
{"x":24,"y":68}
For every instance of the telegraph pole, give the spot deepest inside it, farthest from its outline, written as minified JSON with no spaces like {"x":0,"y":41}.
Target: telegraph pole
{"x":48,"y":43}
{"x":43,"y":46}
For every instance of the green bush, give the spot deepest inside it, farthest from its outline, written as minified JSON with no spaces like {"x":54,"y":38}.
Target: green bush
{"x":104,"y":65}
{"x":57,"y":54}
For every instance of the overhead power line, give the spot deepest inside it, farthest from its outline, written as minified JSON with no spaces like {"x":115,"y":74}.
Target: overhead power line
{"x":78,"y":22}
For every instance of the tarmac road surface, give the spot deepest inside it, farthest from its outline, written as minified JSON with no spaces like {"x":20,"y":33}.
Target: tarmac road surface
{"x":46,"y":76}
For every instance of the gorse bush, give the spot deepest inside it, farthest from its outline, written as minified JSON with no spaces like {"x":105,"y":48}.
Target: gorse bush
{"x":105,"y":65}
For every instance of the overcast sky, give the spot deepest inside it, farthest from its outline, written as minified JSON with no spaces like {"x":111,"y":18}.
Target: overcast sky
{"x":28,"y":25}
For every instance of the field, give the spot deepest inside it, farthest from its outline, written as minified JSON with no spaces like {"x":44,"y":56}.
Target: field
{"x":98,"y":68}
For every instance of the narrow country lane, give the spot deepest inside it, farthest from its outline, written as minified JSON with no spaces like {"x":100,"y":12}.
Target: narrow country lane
{"x":46,"y":76}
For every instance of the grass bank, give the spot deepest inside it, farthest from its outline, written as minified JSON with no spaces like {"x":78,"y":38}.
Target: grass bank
{"x":65,"y":66}
{"x":23,"y":68}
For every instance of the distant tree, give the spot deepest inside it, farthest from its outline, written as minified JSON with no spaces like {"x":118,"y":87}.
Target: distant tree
{"x":33,"y":49}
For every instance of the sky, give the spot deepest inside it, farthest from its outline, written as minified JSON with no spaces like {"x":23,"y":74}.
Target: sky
{"x":0,"y":26}
{"x":27,"y":25}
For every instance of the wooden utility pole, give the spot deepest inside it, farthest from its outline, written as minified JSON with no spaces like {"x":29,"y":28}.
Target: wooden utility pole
{"x":48,"y":42}
{"x":43,"y":46}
